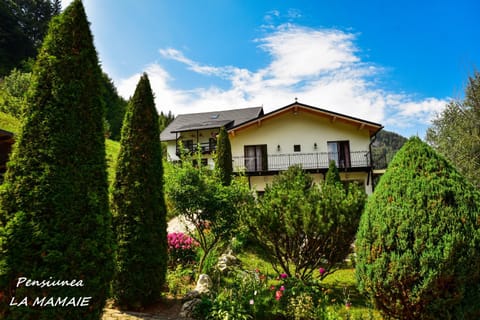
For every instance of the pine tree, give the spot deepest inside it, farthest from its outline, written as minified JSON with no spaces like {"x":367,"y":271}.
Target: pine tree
{"x":138,"y":205}
{"x":55,"y":222}
{"x":224,"y":157}
{"x":418,"y":242}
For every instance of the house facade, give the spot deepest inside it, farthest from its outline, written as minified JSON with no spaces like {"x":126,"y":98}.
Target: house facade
{"x":265,"y":144}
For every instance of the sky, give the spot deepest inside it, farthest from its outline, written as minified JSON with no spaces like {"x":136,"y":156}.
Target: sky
{"x":397,"y":63}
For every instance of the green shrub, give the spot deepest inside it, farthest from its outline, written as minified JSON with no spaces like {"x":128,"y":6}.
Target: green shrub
{"x":138,"y":205}
{"x":418,"y":243}
{"x":303,"y":226}
{"x":224,"y":163}
{"x":55,"y":223}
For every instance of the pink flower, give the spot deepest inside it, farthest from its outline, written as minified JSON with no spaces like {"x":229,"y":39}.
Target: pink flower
{"x":282,"y":288}
{"x":278,"y":295}
{"x":272,"y":287}
{"x":283,"y":275}
{"x":322,"y":271}
{"x":251,"y":301}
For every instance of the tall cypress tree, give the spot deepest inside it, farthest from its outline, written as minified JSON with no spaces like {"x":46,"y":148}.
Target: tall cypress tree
{"x":55,"y":222}
{"x":224,"y":157}
{"x":139,"y":206}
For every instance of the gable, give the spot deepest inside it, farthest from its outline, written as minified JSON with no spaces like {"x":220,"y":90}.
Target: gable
{"x":297,"y":108}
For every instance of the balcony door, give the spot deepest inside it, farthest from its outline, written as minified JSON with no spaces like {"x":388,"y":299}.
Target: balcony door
{"x":339,"y":151}
{"x":255,"y":158}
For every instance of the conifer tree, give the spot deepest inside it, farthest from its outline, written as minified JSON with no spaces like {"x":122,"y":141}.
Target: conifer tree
{"x":418,"y":242}
{"x":224,"y":157}
{"x":55,"y":223}
{"x":139,"y":206}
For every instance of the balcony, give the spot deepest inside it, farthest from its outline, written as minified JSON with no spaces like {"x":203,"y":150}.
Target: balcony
{"x":204,"y":148}
{"x":309,"y":161}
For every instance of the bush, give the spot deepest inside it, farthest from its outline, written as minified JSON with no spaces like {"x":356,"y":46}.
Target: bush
{"x":181,"y":249}
{"x":418,"y":242}
{"x":303,"y":226}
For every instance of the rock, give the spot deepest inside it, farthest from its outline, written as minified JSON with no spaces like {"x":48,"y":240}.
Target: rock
{"x":226,"y":260}
{"x":188,"y":308}
{"x":204,"y":284}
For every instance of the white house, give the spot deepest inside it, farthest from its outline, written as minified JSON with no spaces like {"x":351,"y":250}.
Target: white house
{"x":265,"y":144}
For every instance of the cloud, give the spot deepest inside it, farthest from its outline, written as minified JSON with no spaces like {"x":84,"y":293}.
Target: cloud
{"x":65,"y":3}
{"x":321,"y":67}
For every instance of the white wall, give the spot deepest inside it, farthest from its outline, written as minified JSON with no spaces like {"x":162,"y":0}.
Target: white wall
{"x":304,"y":128}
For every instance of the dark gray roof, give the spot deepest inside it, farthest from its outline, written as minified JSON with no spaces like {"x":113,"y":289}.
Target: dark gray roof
{"x":209,"y":120}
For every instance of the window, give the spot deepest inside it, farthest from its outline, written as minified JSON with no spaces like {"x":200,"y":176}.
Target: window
{"x":339,"y":151}
{"x":255,"y":158}
{"x":296,"y":148}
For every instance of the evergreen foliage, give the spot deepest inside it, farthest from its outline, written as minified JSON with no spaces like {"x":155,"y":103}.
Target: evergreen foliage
{"x":165,"y":119}
{"x":224,"y":164}
{"x":55,"y":223}
{"x":139,"y":206}
{"x":23,"y":25}
{"x":418,"y":242}
{"x":455,"y":133}
{"x":303,"y":226}
{"x":385,"y":147}
{"x":114,"y":106}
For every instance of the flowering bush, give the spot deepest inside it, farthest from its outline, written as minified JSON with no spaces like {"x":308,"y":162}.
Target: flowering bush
{"x":181,"y":249}
{"x":255,"y":295}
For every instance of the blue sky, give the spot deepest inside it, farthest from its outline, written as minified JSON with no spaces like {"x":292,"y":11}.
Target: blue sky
{"x":393,"y":62}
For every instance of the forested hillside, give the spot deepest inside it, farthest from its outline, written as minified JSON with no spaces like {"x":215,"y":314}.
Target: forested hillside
{"x":385,"y":146}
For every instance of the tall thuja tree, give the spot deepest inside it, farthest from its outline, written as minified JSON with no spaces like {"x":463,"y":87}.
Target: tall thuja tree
{"x":55,"y":221}
{"x":139,"y":206}
{"x":224,"y":164}
{"x":418,"y":242}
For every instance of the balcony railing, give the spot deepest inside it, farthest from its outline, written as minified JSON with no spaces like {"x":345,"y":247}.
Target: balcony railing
{"x":308,"y":161}
{"x":205,"y":147}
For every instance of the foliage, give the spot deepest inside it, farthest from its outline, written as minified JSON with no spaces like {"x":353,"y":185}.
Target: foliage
{"x":55,"y":222}
{"x":181,"y":249}
{"x":248,"y":294}
{"x":303,"y":226}
{"x":23,"y":25}
{"x":180,"y":280}
{"x":385,"y":146}
{"x":165,"y":119}
{"x":455,"y":133}
{"x":418,"y":241}
{"x":114,"y":106}
{"x":13,"y":91}
{"x":213,"y":209}
{"x":138,"y":205}
{"x":224,"y":164}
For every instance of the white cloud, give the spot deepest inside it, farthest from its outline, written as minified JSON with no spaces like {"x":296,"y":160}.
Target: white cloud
{"x":320,"y":67}
{"x":65,"y":3}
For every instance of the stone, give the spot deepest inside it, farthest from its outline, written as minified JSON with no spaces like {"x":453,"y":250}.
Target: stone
{"x":188,"y":308}
{"x":226,"y":260}
{"x":204,"y":284}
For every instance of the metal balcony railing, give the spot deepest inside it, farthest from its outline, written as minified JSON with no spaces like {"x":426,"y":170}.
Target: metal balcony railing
{"x":317,"y":160}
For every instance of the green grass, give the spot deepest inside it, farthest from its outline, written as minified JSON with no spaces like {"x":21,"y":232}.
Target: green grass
{"x":341,"y":285}
{"x":12,"y":124}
